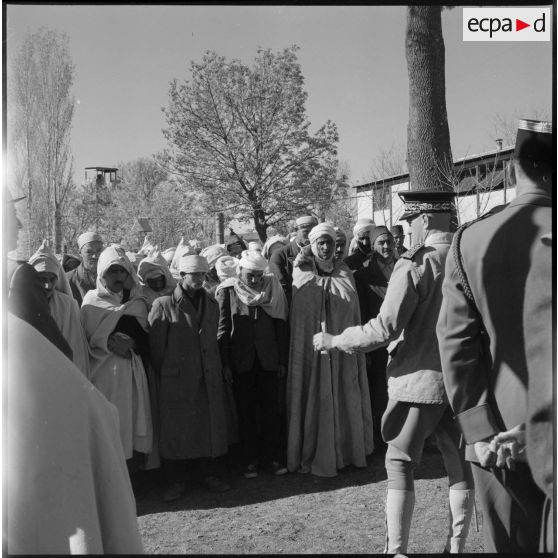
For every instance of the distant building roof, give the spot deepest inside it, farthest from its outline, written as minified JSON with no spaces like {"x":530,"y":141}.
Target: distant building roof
{"x":467,"y":161}
{"x":105,"y":169}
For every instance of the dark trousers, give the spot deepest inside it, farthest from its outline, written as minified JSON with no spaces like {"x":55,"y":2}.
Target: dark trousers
{"x":512,"y":506}
{"x":257,"y":403}
{"x":376,"y":363}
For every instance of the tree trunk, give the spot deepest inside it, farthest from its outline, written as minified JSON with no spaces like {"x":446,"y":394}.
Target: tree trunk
{"x":259,"y":223}
{"x":429,"y":157}
{"x":57,"y":228}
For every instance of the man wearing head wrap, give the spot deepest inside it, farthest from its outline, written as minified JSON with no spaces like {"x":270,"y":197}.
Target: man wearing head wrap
{"x":84,"y":277}
{"x":183,"y":249}
{"x":418,"y":403}
{"x":363,"y":254}
{"x":255,"y":246}
{"x":399,"y":238}
{"x":495,"y":331}
{"x":114,"y":316}
{"x":281,"y":261}
{"x":328,"y":404}
{"x":254,"y":347}
{"x":194,"y":414}
{"x":26,"y":297}
{"x":155,"y":277}
{"x":63,"y":308}
{"x":340,"y":243}
{"x":66,"y":487}
{"x":235,"y":245}
{"x":212,"y":254}
{"x":272,"y":244}
{"x":371,"y":283}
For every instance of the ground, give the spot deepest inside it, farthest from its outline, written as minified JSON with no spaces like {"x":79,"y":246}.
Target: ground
{"x":295,"y":514}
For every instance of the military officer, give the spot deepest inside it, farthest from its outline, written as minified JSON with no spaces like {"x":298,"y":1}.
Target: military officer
{"x":482,"y":337}
{"x":417,"y":405}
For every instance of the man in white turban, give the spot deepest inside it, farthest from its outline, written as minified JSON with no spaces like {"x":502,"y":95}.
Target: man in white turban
{"x":155,"y":277}
{"x":212,"y":254}
{"x":361,"y":257}
{"x":84,"y":277}
{"x":192,"y":398}
{"x":328,"y":404}
{"x":226,"y":267}
{"x":253,"y":341}
{"x":63,"y":308}
{"x":114,"y":316}
{"x":281,"y":261}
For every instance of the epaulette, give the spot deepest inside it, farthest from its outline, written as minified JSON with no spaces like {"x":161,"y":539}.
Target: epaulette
{"x":412,"y":251}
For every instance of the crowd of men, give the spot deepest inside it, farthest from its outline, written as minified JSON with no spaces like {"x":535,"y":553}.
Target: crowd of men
{"x":304,"y":355}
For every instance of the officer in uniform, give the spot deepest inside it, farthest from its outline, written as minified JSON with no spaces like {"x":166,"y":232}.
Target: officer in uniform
{"x":418,"y":405}
{"x":487,"y":358}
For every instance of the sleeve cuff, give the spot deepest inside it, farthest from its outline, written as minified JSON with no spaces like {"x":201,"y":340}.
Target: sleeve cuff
{"x":477,"y":423}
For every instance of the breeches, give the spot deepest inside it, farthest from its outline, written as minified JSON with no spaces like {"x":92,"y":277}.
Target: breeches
{"x":405,"y":427}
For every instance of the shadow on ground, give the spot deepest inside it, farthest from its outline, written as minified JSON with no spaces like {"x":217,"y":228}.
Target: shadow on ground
{"x":149,"y":486}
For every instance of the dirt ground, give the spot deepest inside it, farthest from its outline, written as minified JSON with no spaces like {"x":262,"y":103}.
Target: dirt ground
{"x":295,"y":514}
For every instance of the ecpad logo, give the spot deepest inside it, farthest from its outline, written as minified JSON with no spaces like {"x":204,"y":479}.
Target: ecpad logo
{"x":507,"y":24}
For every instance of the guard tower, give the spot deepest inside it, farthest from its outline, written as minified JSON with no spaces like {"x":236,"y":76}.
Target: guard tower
{"x":102,"y":177}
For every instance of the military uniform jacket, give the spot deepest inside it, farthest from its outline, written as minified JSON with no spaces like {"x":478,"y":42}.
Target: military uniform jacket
{"x":486,"y":374}
{"x":407,"y":318}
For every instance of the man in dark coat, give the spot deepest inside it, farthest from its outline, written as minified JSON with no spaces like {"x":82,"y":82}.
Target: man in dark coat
{"x":483,"y":346}
{"x":253,"y":341}
{"x":399,"y":238}
{"x":27,"y":298}
{"x":363,"y":254}
{"x":235,"y":245}
{"x":84,"y":277}
{"x":281,"y":261}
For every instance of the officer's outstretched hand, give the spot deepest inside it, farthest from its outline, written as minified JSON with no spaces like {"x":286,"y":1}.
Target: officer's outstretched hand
{"x":323,"y":342}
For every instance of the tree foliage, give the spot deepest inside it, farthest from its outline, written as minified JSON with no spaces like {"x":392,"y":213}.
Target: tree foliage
{"x":240,"y":135}
{"x":40,"y":114}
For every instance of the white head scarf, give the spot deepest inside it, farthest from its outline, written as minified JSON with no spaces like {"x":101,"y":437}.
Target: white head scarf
{"x":114,"y":254}
{"x":45,"y":260}
{"x":270,"y":242}
{"x":252,"y":260}
{"x":323,"y":229}
{"x":362,"y":225}
{"x":213,"y":253}
{"x":226,"y":267}
{"x":193,"y":264}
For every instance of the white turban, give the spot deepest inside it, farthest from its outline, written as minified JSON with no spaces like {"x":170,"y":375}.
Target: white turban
{"x":88,"y":237}
{"x":252,"y":260}
{"x":306,"y":220}
{"x":323,"y":229}
{"x":363,"y":225}
{"x":44,"y":260}
{"x":226,"y":267}
{"x":213,"y":253}
{"x":192,"y":264}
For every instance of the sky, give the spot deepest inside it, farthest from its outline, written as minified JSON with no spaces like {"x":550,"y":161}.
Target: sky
{"x":352,"y":59}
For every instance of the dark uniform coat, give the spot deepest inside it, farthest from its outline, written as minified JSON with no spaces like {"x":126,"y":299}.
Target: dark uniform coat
{"x":358,"y":260}
{"x":486,"y":373}
{"x":185,"y":355}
